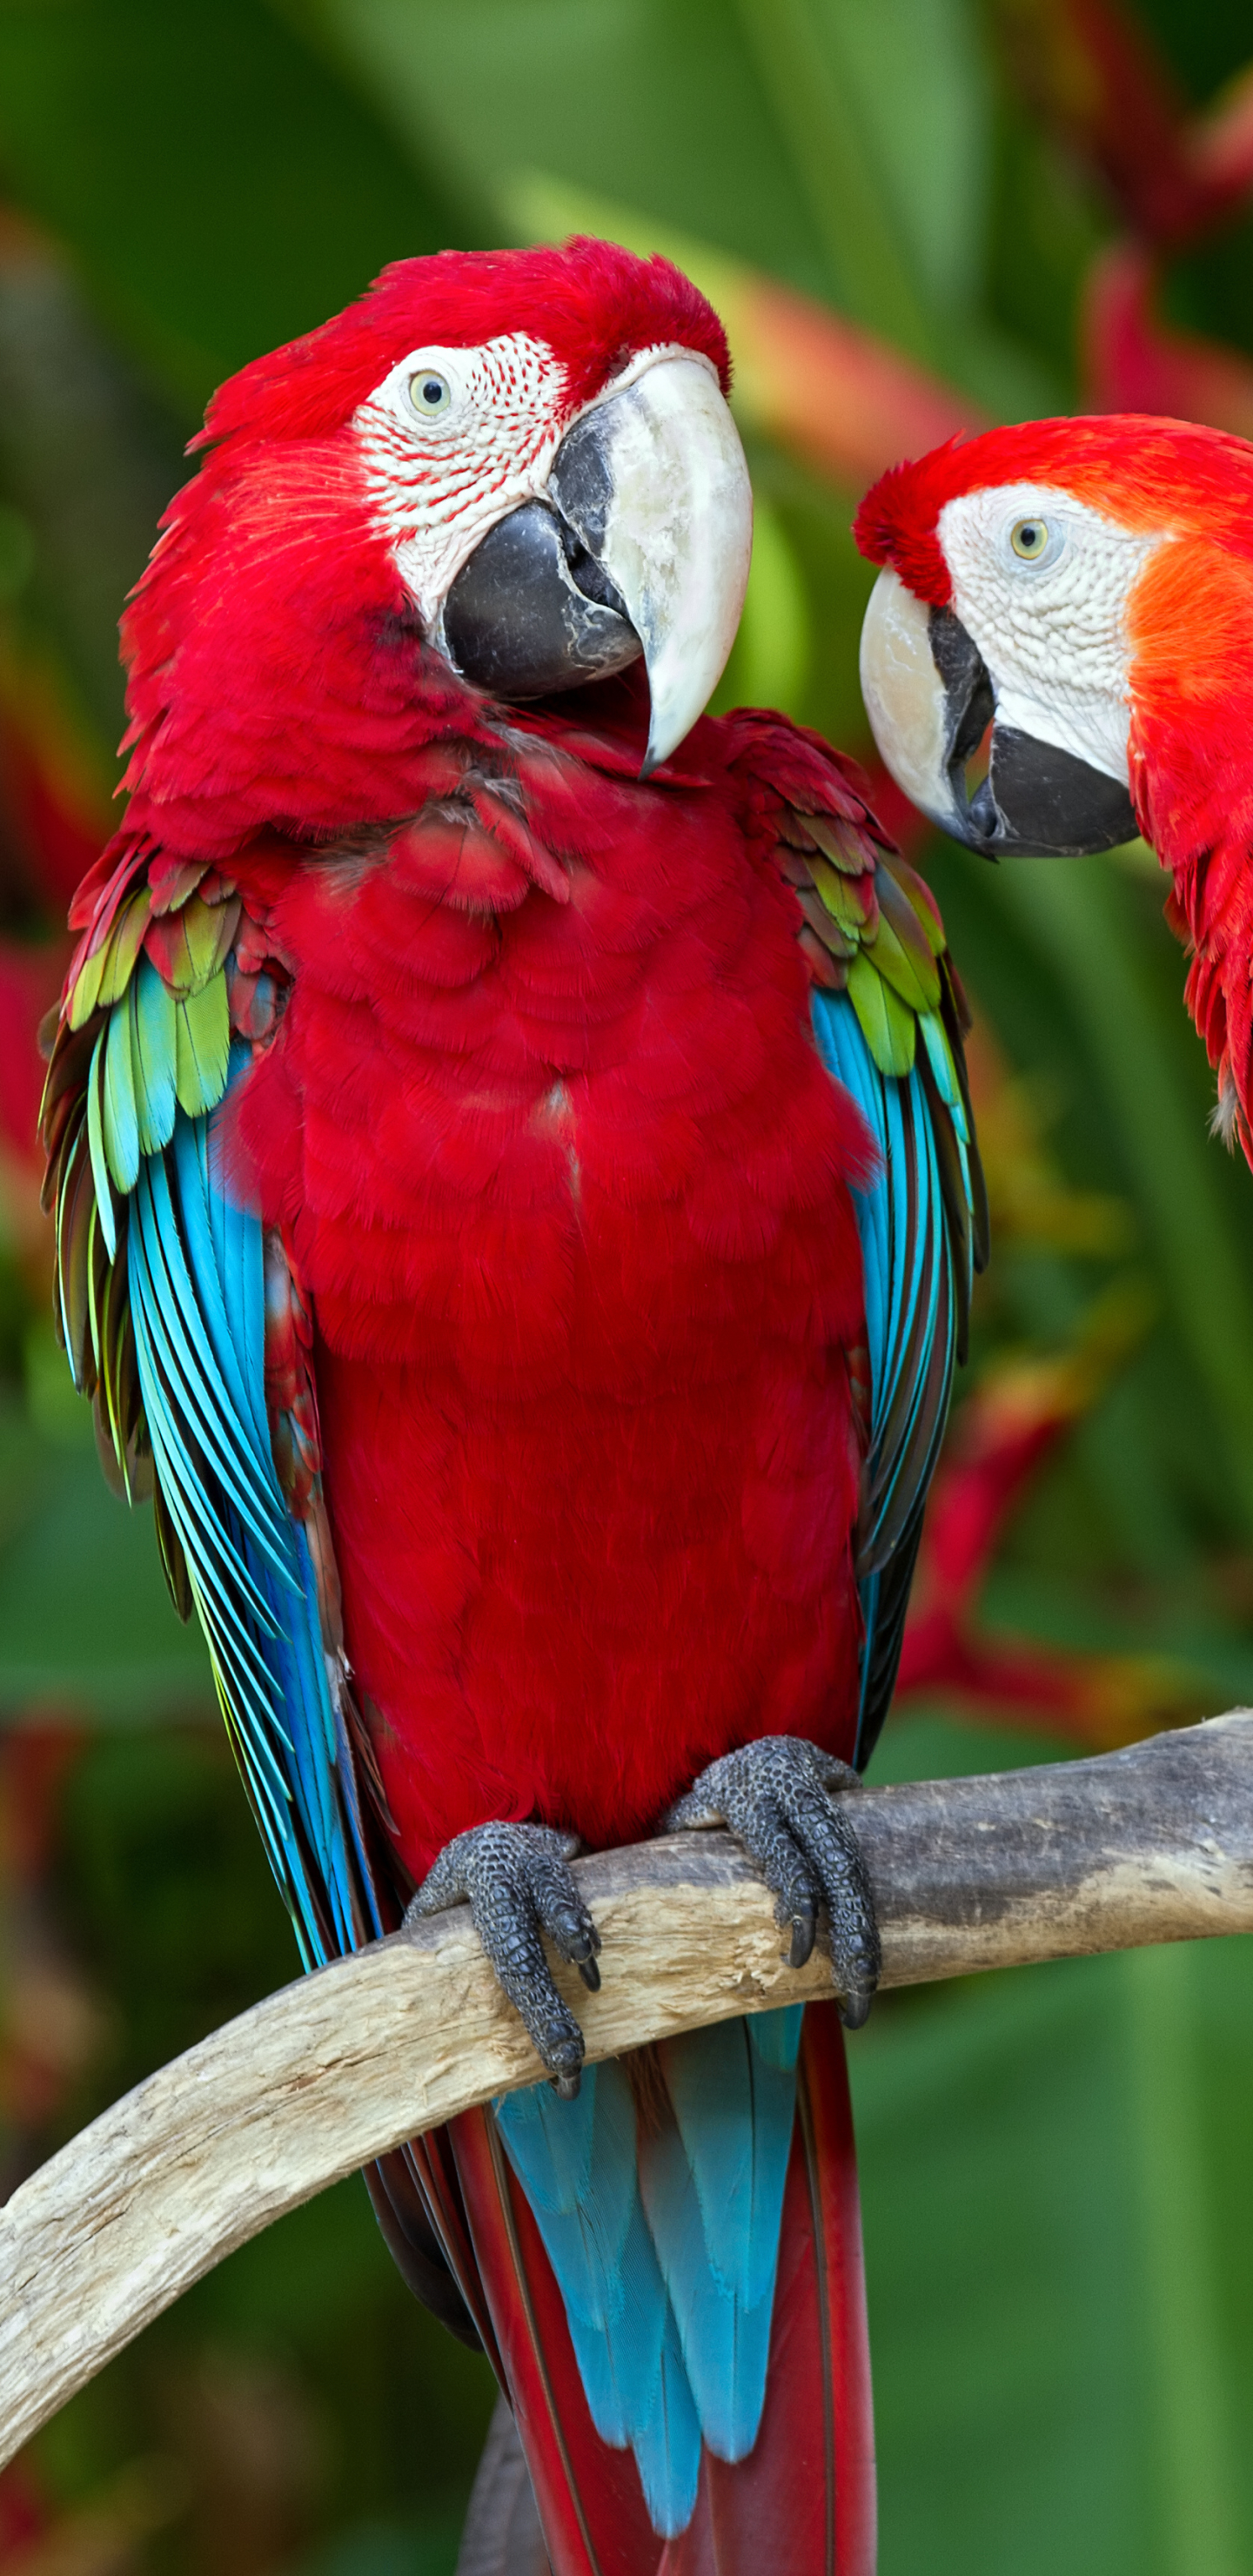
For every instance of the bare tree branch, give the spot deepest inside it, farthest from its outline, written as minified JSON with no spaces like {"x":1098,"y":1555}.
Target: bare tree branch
{"x":1153,"y":1844}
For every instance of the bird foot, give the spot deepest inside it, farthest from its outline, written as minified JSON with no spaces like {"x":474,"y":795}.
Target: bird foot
{"x":517,"y":1882}
{"x":784,"y":1800}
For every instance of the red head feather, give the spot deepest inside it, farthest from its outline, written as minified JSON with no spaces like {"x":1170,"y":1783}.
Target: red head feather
{"x":1145,"y":473}
{"x":277,"y":666}
{"x":593,"y":305}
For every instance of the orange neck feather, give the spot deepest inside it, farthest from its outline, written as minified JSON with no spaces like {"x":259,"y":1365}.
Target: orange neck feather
{"x":1191,"y":630}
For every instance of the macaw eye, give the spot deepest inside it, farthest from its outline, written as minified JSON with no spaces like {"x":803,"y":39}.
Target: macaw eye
{"x":1034,"y":543}
{"x":429,"y":394}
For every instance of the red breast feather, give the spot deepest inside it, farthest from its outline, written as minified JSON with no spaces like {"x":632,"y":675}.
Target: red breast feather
{"x":569,"y":1187}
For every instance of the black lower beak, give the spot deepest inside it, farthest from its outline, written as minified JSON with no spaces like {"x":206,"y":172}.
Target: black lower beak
{"x":637,"y":542}
{"x":1041,"y":803}
{"x":1035,"y":800}
{"x":533,"y":610}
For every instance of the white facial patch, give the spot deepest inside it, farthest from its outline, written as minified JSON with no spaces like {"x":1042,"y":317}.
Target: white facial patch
{"x":1041,"y":584}
{"x":444,"y":470}
{"x":453,"y":439}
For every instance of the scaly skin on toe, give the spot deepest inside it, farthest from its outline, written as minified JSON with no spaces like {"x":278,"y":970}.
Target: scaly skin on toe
{"x":517,"y":1883}
{"x":776,"y":1797}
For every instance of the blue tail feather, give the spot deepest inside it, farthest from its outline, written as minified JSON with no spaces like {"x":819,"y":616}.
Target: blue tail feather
{"x":663,"y":2234}
{"x":713,"y":2188}
{"x":667,"y":2448}
{"x":576,"y":2163}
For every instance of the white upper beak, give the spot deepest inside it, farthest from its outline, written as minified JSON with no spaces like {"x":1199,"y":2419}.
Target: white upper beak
{"x":678,"y":535}
{"x":638,"y":541}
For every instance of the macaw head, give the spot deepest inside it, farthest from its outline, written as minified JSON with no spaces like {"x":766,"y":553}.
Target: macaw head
{"x":522,"y":461}
{"x":1059,"y":649}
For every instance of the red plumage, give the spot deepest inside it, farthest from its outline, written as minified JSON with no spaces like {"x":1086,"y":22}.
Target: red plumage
{"x":569,"y":1190}
{"x":544,"y":1109}
{"x":566,"y":1350}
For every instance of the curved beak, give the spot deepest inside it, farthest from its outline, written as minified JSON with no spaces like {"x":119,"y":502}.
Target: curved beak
{"x":639,"y":543}
{"x":932,"y":704}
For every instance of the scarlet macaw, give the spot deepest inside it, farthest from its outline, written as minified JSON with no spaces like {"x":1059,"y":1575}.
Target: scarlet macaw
{"x":1085,"y":589}
{"x":516,"y":1203}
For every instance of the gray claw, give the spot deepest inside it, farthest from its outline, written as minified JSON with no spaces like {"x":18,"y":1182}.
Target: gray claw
{"x":517,"y":1882}
{"x":776,"y":1797}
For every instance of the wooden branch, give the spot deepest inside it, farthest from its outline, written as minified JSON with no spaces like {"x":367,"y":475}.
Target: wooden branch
{"x":1153,"y":1844}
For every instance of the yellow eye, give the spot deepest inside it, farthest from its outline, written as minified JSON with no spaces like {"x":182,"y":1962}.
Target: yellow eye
{"x":429,"y":394}
{"x":1029,"y":537}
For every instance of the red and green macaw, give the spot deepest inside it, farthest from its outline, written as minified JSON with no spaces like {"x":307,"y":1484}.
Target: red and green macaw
{"x":516,"y":1203}
{"x":1084,"y":588}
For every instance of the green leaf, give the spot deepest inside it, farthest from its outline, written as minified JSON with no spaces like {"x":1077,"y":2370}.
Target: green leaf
{"x":270,"y":192}
{"x":1059,"y":2273}
{"x":691,"y":140}
{"x":813,"y":108}
{"x":916,"y":80}
{"x":85,"y":1619}
{"x":770,"y":662}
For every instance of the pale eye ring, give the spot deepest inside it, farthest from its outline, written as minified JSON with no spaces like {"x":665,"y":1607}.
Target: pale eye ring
{"x":1033,"y":543}
{"x":429,"y":393}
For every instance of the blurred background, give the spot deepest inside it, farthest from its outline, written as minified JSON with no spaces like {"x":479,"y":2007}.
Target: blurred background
{"x":914,"y":215}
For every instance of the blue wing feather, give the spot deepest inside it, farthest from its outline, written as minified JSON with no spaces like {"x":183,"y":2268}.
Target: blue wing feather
{"x":917,"y":1283}
{"x":195,"y":1276}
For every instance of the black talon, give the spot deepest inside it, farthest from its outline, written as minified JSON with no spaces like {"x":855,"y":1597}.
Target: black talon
{"x":804,"y":1925}
{"x":783,"y":1798}
{"x":516,"y":1880}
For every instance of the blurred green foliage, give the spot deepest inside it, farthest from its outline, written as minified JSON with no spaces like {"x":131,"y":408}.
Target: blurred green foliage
{"x":1061,"y":2273}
